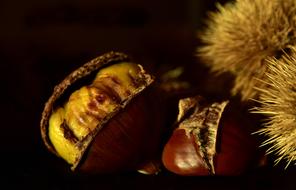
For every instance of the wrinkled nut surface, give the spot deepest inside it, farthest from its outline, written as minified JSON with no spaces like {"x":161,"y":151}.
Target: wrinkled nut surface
{"x":69,"y":128}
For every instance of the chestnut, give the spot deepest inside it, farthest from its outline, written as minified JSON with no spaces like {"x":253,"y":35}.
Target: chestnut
{"x":210,"y":139}
{"x":104,"y":117}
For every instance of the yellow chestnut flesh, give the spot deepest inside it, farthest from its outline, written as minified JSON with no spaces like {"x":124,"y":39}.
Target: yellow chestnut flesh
{"x":89,"y":106}
{"x":64,"y":147}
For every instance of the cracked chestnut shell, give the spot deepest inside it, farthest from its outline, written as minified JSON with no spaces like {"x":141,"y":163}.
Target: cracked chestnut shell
{"x":103,"y":117}
{"x":210,"y":139}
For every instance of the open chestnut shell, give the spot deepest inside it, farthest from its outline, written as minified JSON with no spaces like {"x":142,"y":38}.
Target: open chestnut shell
{"x":210,"y":138}
{"x":117,"y":127}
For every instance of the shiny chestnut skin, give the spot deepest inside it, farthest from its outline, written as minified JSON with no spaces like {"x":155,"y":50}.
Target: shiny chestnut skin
{"x":180,"y":155}
{"x":235,"y":149}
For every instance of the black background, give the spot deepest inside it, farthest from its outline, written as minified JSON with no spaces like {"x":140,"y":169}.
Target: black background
{"x":42,"y":41}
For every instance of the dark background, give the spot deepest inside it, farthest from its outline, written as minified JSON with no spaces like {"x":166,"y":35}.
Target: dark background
{"x":42,"y":41}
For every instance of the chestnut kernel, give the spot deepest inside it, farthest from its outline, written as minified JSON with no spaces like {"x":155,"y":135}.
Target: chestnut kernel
{"x":107,"y":124}
{"x":208,"y":140}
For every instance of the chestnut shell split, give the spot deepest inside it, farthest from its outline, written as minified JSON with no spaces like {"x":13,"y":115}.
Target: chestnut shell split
{"x":127,"y":138}
{"x":210,"y":138}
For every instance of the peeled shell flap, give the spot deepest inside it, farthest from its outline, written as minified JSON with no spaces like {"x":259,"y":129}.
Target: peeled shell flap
{"x":201,"y":119}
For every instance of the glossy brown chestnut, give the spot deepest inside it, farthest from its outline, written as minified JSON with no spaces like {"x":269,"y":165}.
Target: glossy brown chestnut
{"x":181,"y":155}
{"x":104,"y":117}
{"x":210,"y":139}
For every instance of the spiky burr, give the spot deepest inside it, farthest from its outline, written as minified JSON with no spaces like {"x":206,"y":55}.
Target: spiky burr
{"x":278,"y":103}
{"x":241,"y":34}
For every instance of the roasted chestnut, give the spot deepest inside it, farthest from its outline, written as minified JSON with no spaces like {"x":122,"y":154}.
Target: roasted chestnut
{"x":209,"y":139}
{"x":104,"y":117}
